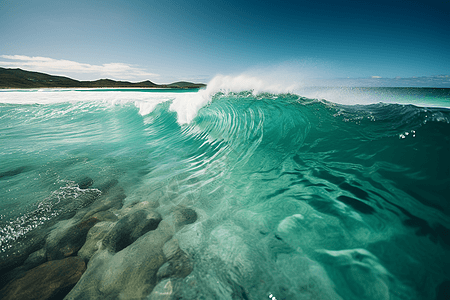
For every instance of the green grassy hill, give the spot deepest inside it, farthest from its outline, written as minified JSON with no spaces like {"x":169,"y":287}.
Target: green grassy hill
{"x":17,"y":78}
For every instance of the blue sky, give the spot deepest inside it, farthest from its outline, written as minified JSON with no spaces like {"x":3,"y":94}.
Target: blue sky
{"x":166,"y":41}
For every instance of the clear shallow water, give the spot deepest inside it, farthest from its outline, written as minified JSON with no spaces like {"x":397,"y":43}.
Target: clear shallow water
{"x":298,"y":198}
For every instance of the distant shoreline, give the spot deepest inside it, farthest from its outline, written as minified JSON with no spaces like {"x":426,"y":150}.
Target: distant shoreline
{"x":21,"y":79}
{"x":99,"y":88}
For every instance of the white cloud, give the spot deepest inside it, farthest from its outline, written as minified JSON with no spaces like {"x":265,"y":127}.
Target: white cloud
{"x":62,"y":66}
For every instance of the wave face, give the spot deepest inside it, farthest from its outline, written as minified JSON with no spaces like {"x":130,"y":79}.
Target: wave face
{"x":297,"y":198}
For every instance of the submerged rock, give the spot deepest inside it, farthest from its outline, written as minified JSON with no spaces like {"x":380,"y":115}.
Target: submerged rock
{"x":66,"y":241}
{"x":357,"y":273}
{"x":68,"y":236}
{"x":36,"y":258}
{"x":129,"y":228}
{"x":85,"y":182}
{"x":127,"y":274}
{"x":51,"y":280}
{"x":28,"y":233}
{"x":127,"y":258}
{"x":93,"y":239}
{"x":15,"y":256}
{"x":59,"y":237}
{"x":105,"y":187}
{"x":184,"y":216}
{"x":9,"y":276}
{"x":111,"y":199}
{"x":105,"y":216}
{"x":178,"y":263}
{"x":165,"y":290}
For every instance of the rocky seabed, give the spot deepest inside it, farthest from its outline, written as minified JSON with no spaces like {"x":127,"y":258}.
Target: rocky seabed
{"x":103,"y":251}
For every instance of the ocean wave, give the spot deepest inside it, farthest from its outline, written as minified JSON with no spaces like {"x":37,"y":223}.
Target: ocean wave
{"x":293,"y":196}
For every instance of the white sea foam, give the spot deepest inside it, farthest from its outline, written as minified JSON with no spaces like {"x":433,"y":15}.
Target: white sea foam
{"x":187,"y":106}
{"x":145,"y":101}
{"x":51,"y":96}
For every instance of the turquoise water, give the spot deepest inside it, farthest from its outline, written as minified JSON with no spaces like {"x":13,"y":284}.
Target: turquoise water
{"x":298,"y":198}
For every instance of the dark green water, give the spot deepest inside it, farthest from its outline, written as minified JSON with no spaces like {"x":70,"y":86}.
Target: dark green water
{"x":298,"y":198}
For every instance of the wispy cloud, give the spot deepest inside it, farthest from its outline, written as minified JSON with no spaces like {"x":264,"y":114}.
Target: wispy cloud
{"x":62,"y":66}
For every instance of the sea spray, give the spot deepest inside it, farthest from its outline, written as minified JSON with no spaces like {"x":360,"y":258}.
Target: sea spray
{"x":187,"y":108}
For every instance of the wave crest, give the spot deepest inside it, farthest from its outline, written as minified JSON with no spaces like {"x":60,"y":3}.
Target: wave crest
{"x":188,"y":106}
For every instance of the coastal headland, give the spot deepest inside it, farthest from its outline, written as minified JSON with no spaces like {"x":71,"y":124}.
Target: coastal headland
{"x":21,"y":79}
